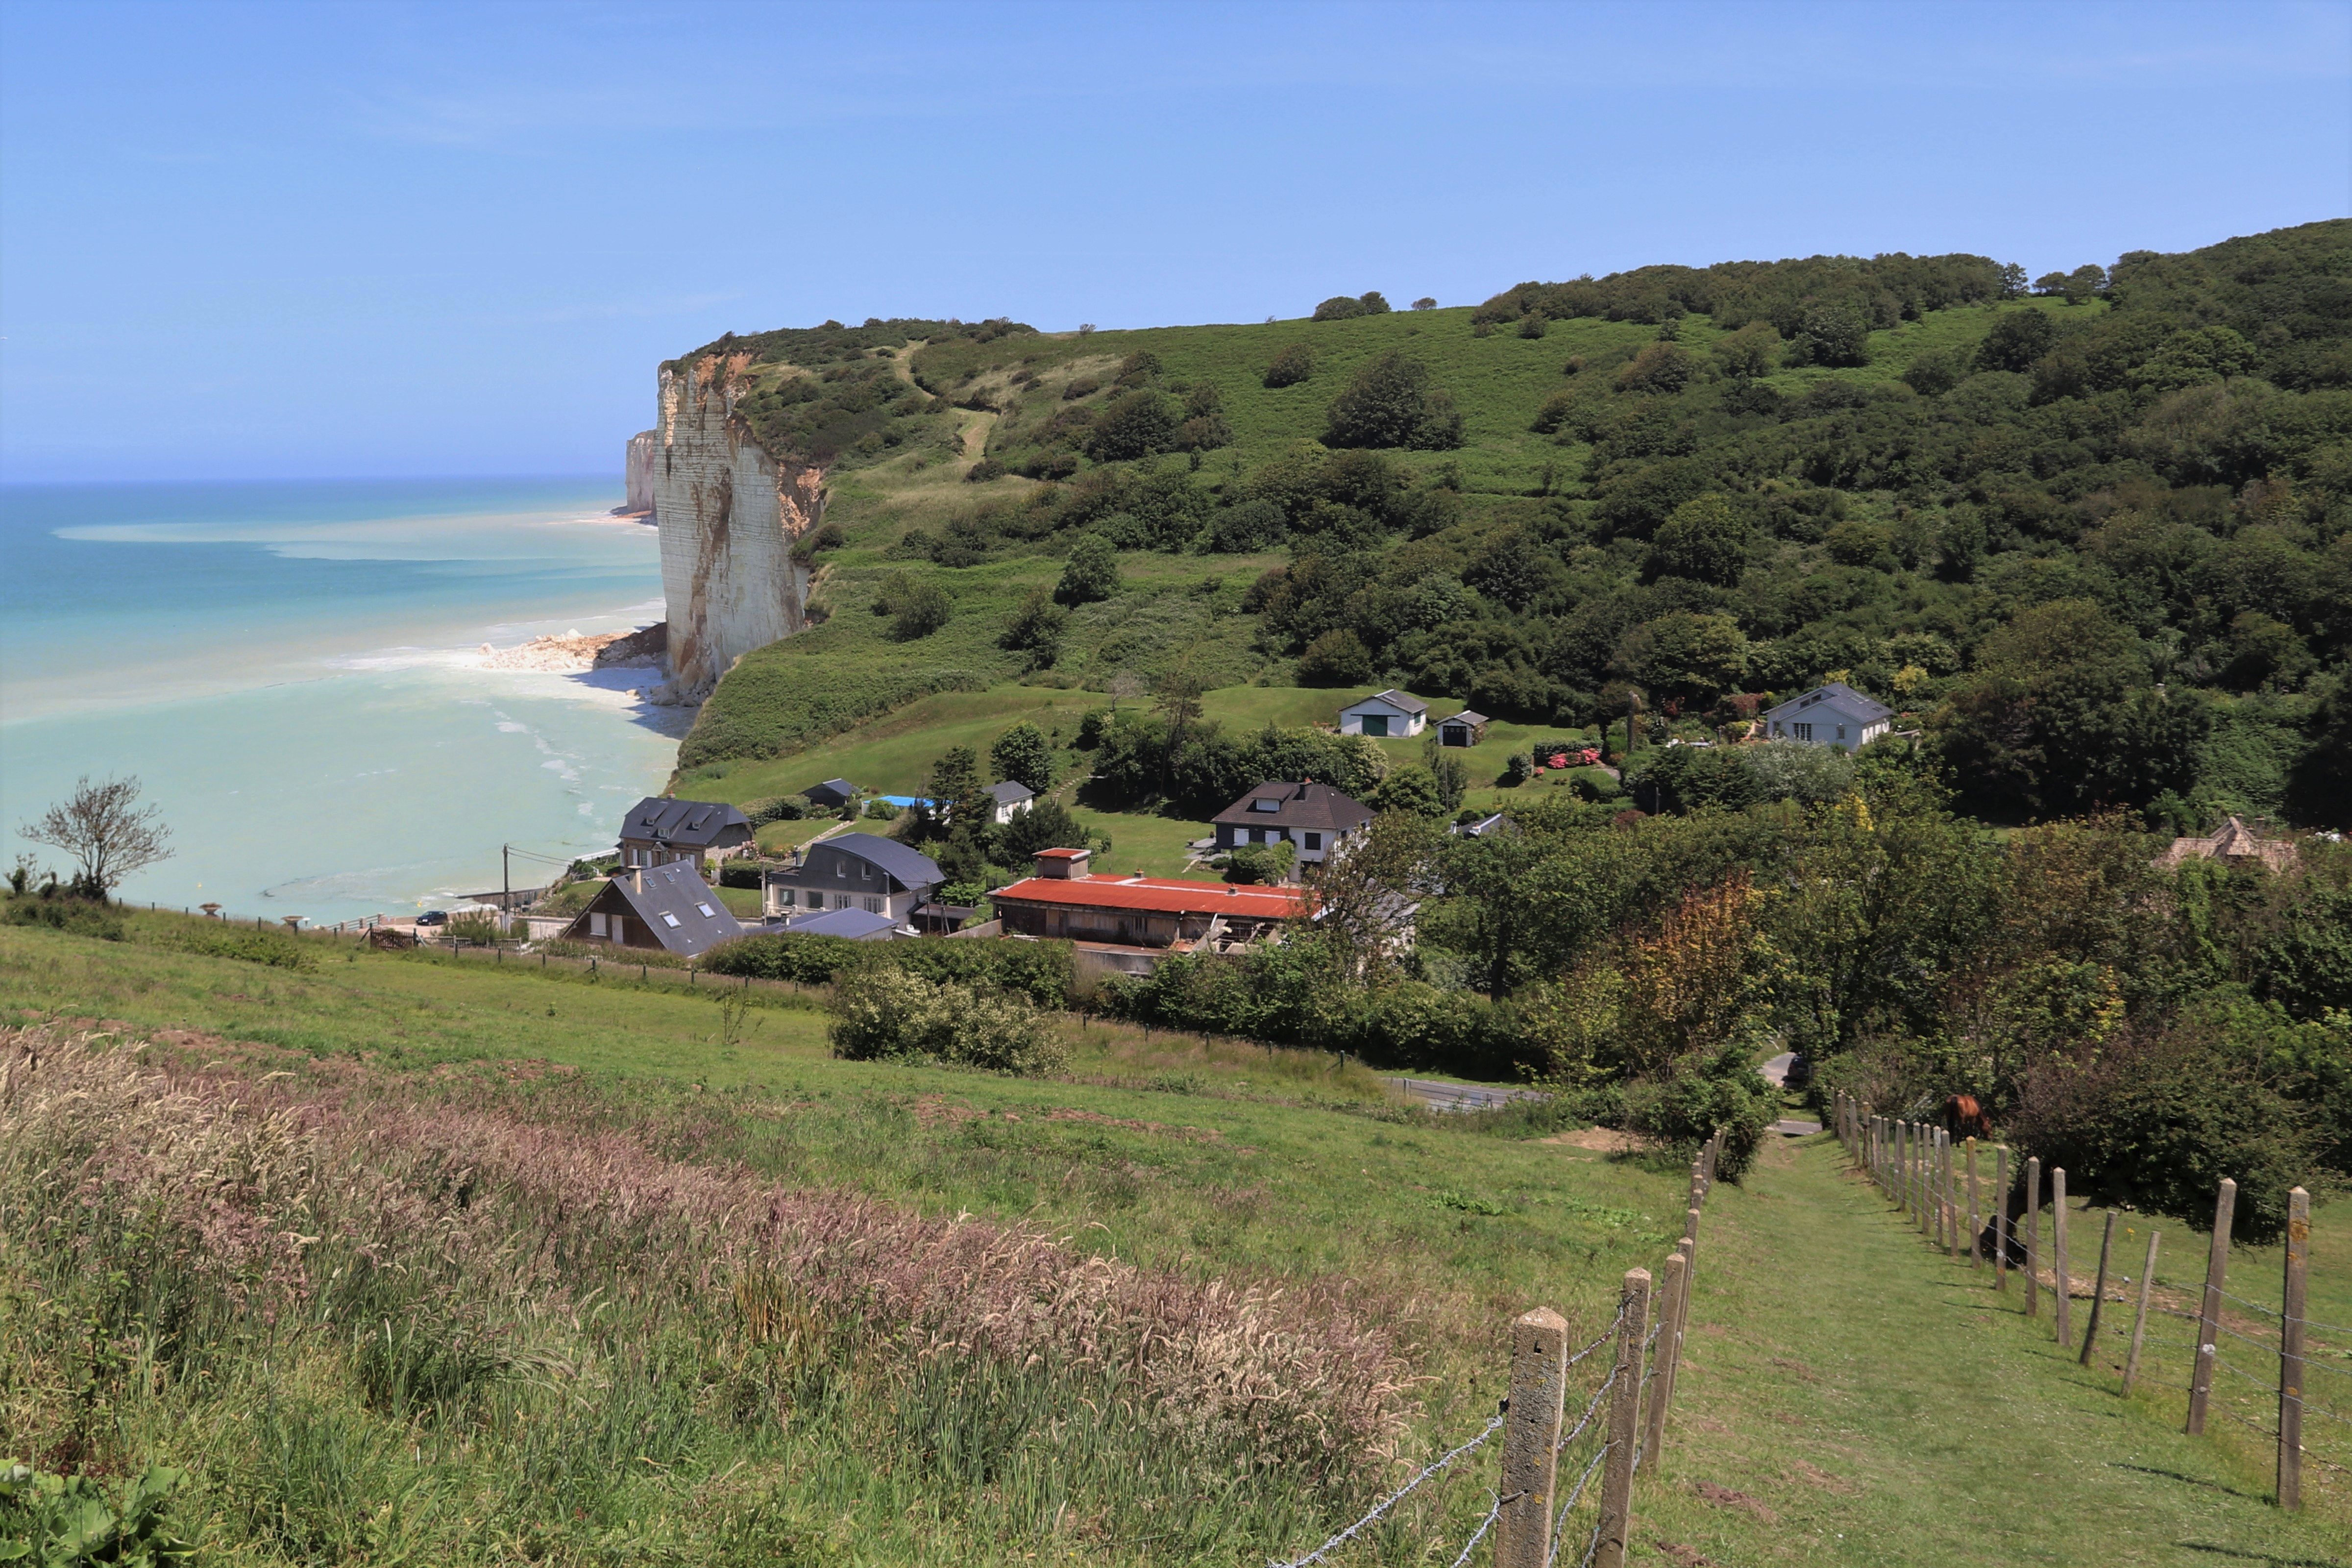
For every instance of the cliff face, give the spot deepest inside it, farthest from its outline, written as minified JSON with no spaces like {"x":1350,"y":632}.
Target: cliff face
{"x":728,"y":514}
{"x":645,"y":447}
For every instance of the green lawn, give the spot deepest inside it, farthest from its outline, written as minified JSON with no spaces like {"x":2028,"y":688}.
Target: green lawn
{"x":1865,"y":1399}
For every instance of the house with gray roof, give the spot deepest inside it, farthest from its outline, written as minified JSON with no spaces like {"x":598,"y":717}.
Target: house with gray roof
{"x":667,"y":907}
{"x":1390,"y":713}
{"x":1832,"y":715}
{"x":658,"y":831}
{"x":835,"y":793}
{"x":852,"y":871}
{"x":1010,"y":797}
{"x":1314,"y":818}
{"x":856,"y":925}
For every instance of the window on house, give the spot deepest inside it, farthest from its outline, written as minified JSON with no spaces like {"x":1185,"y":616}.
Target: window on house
{"x":1841,"y":731}
{"x":708,"y":912}
{"x":841,"y":869}
{"x":865,"y":873}
{"x":873,"y":906}
{"x":597,"y":926}
{"x":1804,"y":732}
{"x":1777,"y":731}
{"x":1265,"y":806}
{"x":669,"y":920}
{"x":1314,"y":841}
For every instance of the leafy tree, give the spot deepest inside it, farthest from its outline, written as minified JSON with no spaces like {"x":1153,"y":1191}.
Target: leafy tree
{"x":919,"y":611}
{"x":1532,"y":325}
{"x":1685,"y":655}
{"x":1753,"y":350}
{"x":1339,"y":308}
{"x":1025,"y":756}
{"x":1047,"y":824}
{"x":1936,"y":373}
{"x":1412,"y":790}
{"x":1092,"y":573}
{"x":1337,"y":658}
{"x":1706,"y":541}
{"x":1832,"y":334}
{"x":1511,"y":568}
{"x":1255,"y":863}
{"x":1290,"y":366}
{"x":1136,"y":424}
{"x":1250,"y":527}
{"x":2319,"y":785}
{"x":1424,"y":303}
{"x":1034,"y":628}
{"x":2018,"y":338}
{"x":1452,"y":777}
{"x":1659,"y":368}
{"x":1392,"y":402}
{"x":106,"y":830}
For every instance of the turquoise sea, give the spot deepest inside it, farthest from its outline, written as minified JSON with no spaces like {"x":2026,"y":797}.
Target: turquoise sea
{"x":292,"y":671}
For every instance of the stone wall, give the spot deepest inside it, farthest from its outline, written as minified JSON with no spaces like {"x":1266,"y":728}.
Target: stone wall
{"x":728,"y":514}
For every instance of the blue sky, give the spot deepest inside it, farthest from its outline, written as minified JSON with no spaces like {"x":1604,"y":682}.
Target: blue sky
{"x":257,"y":240}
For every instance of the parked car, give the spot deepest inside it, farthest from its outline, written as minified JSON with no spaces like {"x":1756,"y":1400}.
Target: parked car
{"x":1800,"y":1071}
{"x":434,"y":918}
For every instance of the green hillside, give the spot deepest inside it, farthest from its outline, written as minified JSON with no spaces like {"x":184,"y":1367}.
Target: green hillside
{"x":2092,"y":539}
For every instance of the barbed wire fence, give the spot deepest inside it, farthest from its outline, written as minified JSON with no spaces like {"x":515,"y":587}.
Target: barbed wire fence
{"x":2268,"y":1369}
{"x":1531,"y":1522}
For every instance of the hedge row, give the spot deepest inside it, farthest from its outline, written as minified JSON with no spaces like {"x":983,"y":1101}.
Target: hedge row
{"x":774,"y":702}
{"x":1041,"y":971}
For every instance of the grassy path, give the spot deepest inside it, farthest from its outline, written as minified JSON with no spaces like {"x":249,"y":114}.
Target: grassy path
{"x":1849,"y":1397}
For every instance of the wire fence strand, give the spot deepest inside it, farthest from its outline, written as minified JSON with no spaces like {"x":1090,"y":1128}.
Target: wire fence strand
{"x":1394,"y":1498}
{"x":1560,"y":1521}
{"x":1485,"y":1525}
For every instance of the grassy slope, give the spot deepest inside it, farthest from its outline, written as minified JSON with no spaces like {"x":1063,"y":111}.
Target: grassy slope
{"x":1866,"y":1391}
{"x":1859,"y":1387}
{"x":1498,"y":381}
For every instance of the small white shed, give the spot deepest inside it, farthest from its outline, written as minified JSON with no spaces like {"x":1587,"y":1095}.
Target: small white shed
{"x":1384,"y":713}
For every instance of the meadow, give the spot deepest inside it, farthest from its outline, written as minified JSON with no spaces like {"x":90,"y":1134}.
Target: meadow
{"x":620,"y":1279}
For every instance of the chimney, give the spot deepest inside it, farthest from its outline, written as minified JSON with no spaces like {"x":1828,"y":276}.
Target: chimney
{"x":636,"y":879}
{"x":1063,"y":865}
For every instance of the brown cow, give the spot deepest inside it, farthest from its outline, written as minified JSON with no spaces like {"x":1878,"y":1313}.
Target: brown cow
{"x":1964,"y":1118}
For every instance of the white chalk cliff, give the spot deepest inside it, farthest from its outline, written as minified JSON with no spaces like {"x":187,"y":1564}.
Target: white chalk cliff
{"x":729,"y":515}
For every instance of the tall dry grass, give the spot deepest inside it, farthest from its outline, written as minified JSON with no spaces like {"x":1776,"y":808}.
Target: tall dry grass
{"x":461,"y":1270}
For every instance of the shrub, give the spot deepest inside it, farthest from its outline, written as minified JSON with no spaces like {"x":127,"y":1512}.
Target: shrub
{"x":1532,"y":325}
{"x":478,"y":929}
{"x":1337,"y":658}
{"x":248,"y":945}
{"x":739,"y":872}
{"x":1136,"y":424}
{"x":1697,"y":1096}
{"x":987,"y":469}
{"x":1424,"y":303}
{"x":1515,"y":771}
{"x":881,"y":1013}
{"x":1391,"y":402}
{"x":775,"y":808}
{"x":1338,"y":308}
{"x":76,"y":917}
{"x":1025,"y":756}
{"x":1255,"y":863}
{"x":1041,"y":971}
{"x":1290,"y":366}
{"x":1092,"y":573}
{"x":919,"y":612}
{"x":1252,"y":526}
{"x":1084,"y":386}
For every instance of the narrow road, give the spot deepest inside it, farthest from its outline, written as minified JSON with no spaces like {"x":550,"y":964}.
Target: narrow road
{"x":1849,"y":1395}
{"x":1436,"y":1096}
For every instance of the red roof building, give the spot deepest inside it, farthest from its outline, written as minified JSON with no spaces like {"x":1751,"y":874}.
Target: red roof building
{"x":1065,"y":900}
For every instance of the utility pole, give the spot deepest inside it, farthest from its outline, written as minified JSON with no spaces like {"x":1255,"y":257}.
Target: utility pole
{"x":506,"y":888}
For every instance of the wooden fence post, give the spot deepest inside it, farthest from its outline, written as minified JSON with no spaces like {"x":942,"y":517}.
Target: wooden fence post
{"x":1948,"y":1207}
{"x":2000,"y":1217}
{"x":2140,"y":1316}
{"x":1531,"y":1439}
{"x":1976,"y":1221}
{"x":2208,"y":1316}
{"x":2062,"y":1278}
{"x":2033,"y":1236}
{"x":2291,"y":1310}
{"x":1624,"y":1424}
{"x":2098,"y":1289}
{"x":1671,"y":1295}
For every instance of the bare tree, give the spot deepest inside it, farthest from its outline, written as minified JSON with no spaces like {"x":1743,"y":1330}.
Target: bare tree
{"x":103,"y":826}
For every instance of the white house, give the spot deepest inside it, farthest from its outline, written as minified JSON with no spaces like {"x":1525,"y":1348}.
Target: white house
{"x":1010,"y":797}
{"x":1384,"y":713}
{"x":1832,"y":715}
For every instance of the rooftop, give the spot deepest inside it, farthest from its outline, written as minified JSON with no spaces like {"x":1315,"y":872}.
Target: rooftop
{"x":1394,"y":698}
{"x":1283,"y":804}
{"x":912,"y":867}
{"x":676,"y":905}
{"x":857,"y":925}
{"x":1010,"y":792}
{"x":688,"y":822}
{"x":1161,"y":895}
{"x":1838,"y":695}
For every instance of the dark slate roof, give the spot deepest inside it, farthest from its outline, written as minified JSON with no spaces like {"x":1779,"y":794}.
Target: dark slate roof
{"x":1466,"y":717}
{"x":1011,"y":793}
{"x":1394,"y":698}
{"x":1311,"y":806}
{"x":912,"y":867}
{"x":857,"y":925}
{"x":696,"y":824}
{"x":839,"y":789}
{"x":1840,"y":697}
{"x":670,"y":900}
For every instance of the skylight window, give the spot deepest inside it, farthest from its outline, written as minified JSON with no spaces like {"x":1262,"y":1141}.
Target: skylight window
{"x":708,"y":912}
{"x":668,"y":918}
{"x":1265,"y":806}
